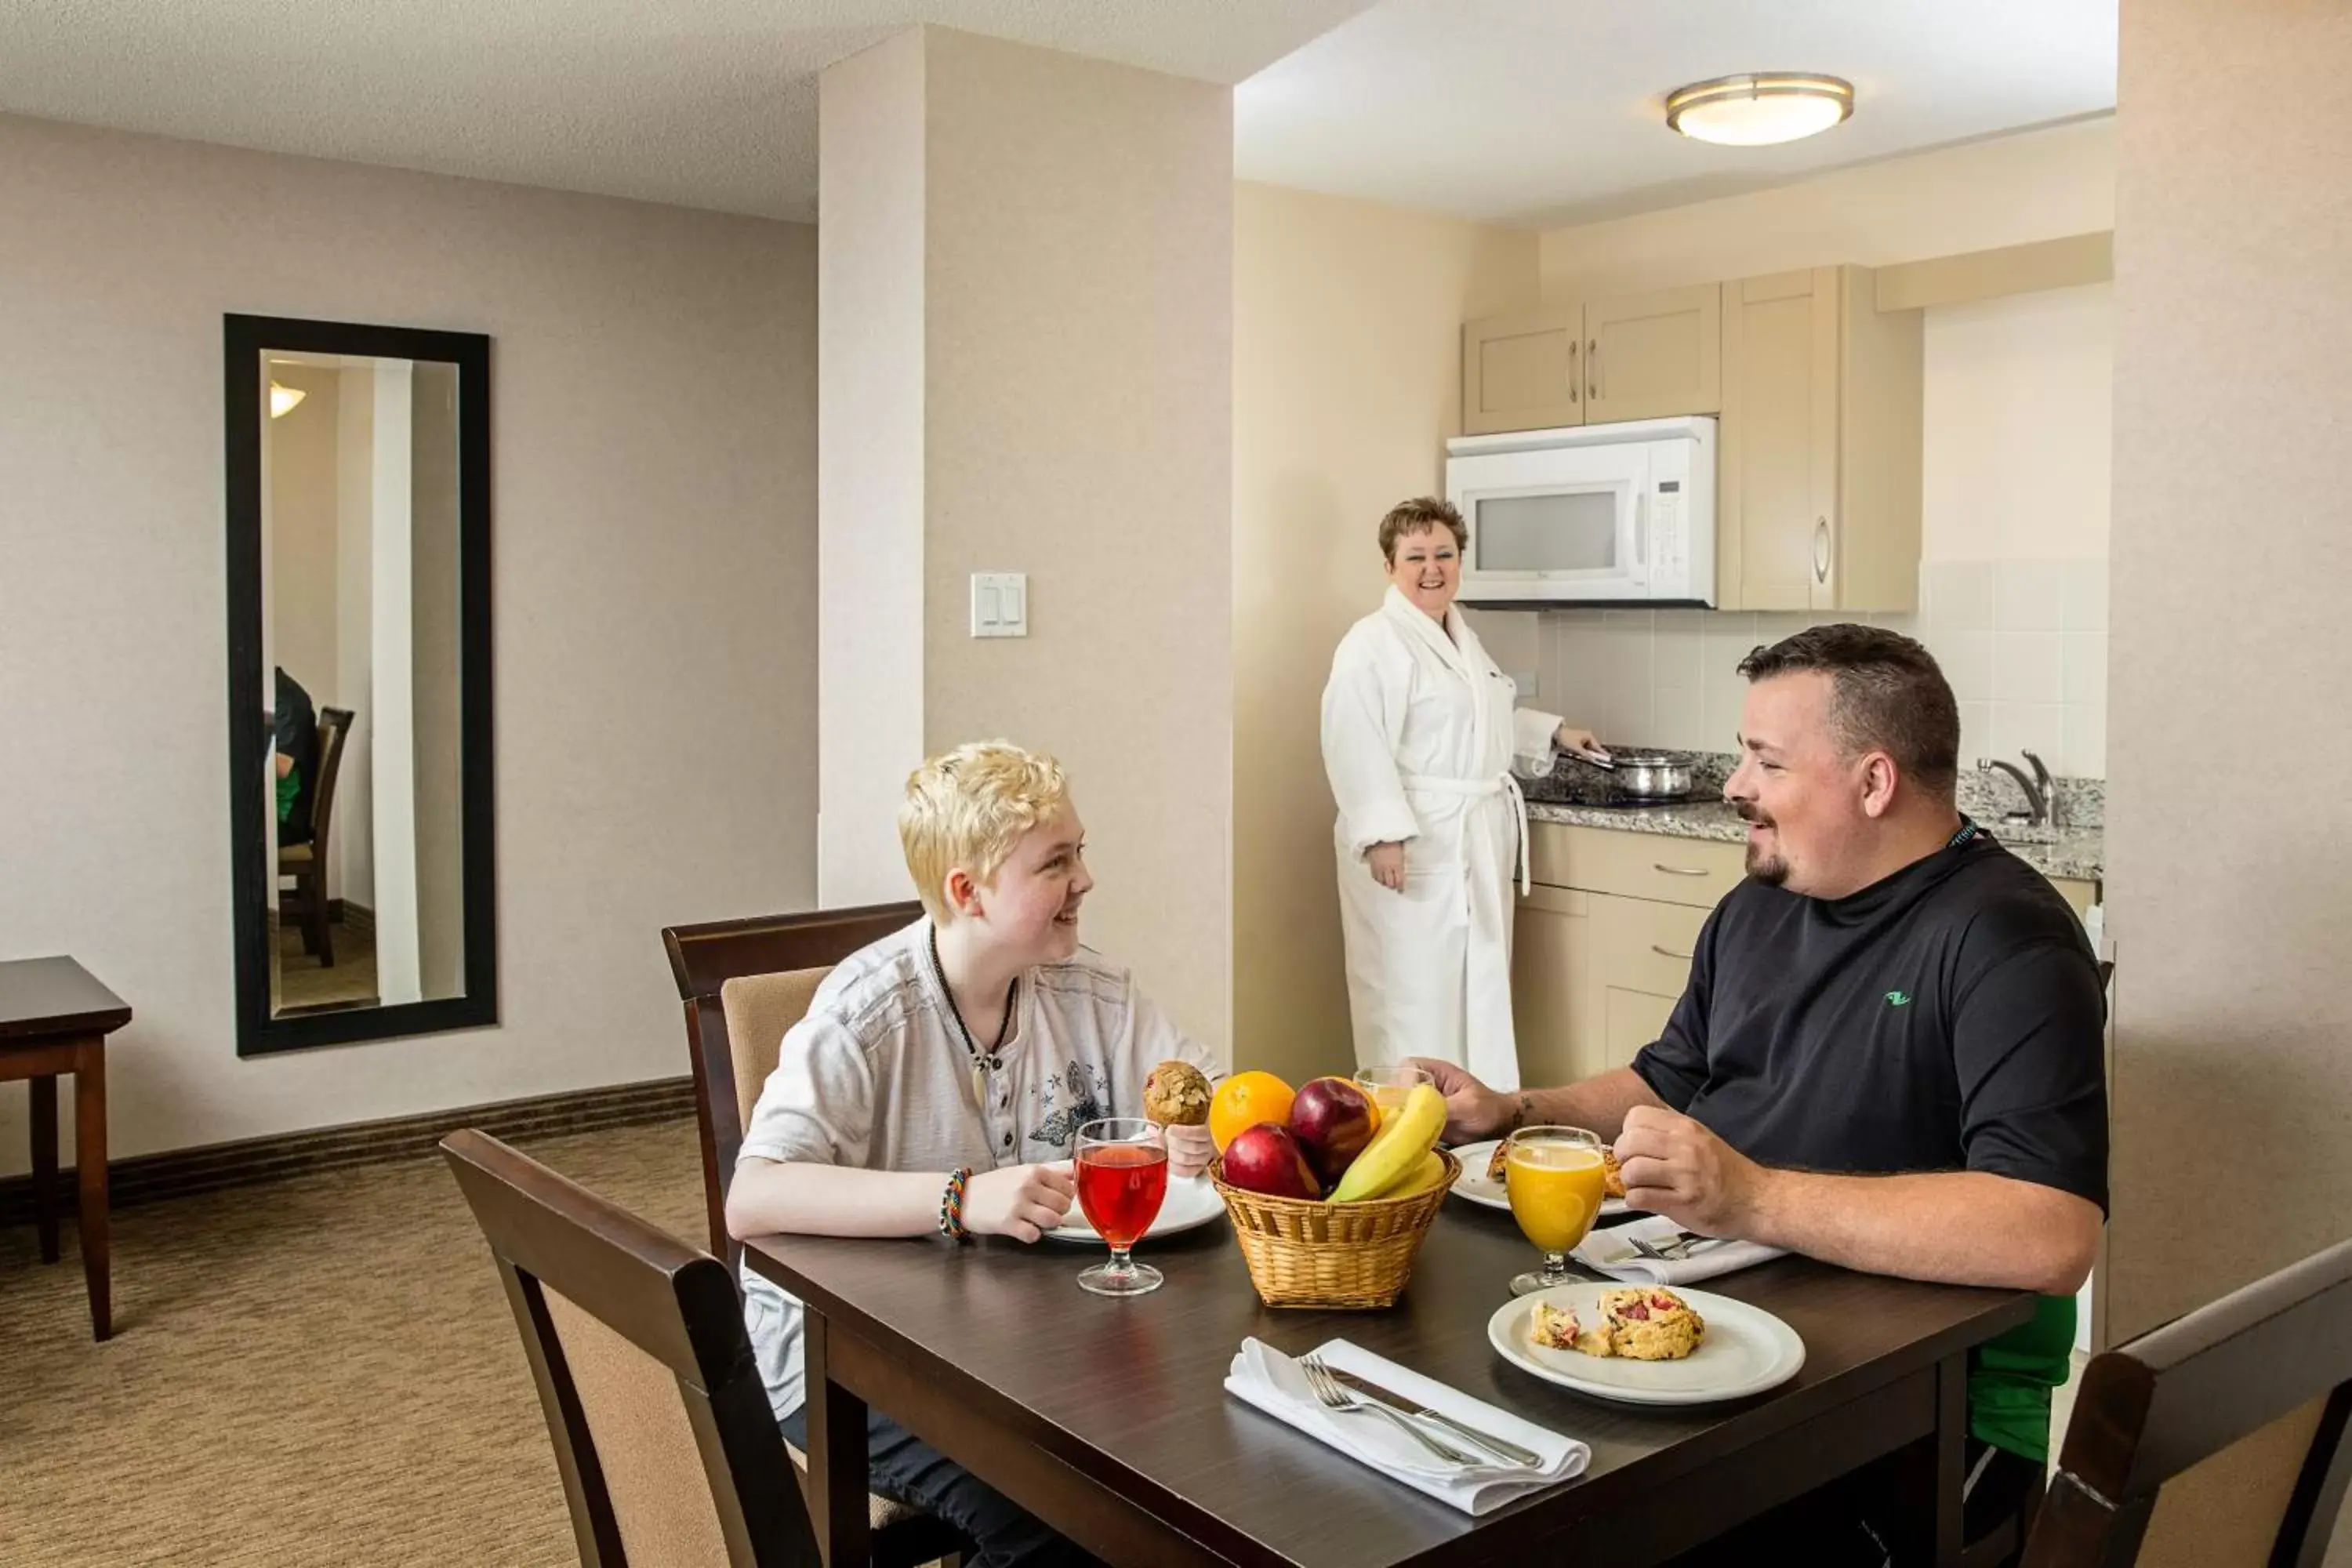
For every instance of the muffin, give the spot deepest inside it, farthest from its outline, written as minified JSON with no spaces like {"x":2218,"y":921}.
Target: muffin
{"x":1652,"y":1324}
{"x":1176,"y":1095}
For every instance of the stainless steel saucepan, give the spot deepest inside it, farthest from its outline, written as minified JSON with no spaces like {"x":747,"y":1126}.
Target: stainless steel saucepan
{"x":1647,"y":775}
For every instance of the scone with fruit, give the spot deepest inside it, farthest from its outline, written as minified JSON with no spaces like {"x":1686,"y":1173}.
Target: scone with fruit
{"x":1651,"y":1324}
{"x":1558,"y":1329}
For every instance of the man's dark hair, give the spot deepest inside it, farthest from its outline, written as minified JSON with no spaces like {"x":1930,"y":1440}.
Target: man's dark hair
{"x":1887,"y":694}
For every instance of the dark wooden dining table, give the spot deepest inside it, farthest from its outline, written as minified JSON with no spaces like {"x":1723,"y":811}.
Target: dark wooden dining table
{"x":1108,"y":1419}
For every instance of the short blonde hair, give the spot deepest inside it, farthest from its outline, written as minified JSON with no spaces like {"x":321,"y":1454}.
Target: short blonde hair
{"x":967,"y":808}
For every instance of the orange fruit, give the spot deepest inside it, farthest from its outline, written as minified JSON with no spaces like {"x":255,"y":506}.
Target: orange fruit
{"x":1242,"y":1101}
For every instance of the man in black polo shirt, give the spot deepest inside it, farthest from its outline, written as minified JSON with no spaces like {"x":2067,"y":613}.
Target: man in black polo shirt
{"x":1889,"y":1054}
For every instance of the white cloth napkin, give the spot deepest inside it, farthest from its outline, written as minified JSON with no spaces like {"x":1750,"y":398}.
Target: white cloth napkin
{"x":1613,"y":1253}
{"x":1265,"y":1377}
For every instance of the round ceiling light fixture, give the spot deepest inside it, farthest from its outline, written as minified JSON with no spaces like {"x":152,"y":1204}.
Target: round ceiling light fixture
{"x":1760,"y":110}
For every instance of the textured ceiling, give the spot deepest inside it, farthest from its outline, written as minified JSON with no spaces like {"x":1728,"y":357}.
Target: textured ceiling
{"x":1542,"y":111}
{"x":705,"y":103}
{"x":1527,"y":111}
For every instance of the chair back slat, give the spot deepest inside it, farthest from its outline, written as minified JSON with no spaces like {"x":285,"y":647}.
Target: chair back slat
{"x":663,"y":1434}
{"x":702,"y":960}
{"x":2258,"y":1383}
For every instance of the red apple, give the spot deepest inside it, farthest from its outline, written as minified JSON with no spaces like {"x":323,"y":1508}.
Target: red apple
{"x":1332,"y":1119}
{"x":1267,"y":1159}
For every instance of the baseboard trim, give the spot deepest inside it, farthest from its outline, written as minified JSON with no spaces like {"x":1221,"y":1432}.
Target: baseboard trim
{"x":183,"y":1173}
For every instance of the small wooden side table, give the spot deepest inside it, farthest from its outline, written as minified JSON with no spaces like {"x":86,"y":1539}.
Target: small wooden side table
{"x":54,"y":1018}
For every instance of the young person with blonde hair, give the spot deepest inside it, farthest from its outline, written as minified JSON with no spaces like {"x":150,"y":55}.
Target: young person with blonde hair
{"x":939,"y":1078}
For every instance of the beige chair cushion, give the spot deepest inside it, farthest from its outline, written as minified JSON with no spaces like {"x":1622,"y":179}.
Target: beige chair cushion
{"x":759,"y":1009}
{"x":653,"y":1471}
{"x":636,"y":1417}
{"x":293,"y":854}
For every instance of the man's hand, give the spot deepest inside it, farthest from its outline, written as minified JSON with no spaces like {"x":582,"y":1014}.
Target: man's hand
{"x":1471,"y":1109}
{"x":1387,"y":864}
{"x":1676,"y":1167}
{"x":1019,"y":1200}
{"x":1189,"y":1149}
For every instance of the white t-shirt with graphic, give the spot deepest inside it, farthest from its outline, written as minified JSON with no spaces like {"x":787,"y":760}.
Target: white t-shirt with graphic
{"x":877,"y":1078}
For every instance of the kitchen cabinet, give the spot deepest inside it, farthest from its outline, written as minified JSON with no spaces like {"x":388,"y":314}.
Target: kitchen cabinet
{"x":1551,"y":974}
{"x":1603,"y":948}
{"x":1818,"y":483}
{"x":1637,"y":356}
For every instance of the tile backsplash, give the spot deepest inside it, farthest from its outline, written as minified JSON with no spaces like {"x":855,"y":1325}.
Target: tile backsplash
{"x":2024,"y":643}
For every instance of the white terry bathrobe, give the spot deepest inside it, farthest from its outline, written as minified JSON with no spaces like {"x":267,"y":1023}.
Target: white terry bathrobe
{"x":1420,"y":737}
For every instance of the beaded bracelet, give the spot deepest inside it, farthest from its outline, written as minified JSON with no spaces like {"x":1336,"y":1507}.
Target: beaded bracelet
{"x":951,"y":1206}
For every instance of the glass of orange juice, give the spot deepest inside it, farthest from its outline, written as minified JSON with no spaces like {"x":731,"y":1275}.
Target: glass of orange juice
{"x":1388,"y":1085}
{"x":1556,"y":1182}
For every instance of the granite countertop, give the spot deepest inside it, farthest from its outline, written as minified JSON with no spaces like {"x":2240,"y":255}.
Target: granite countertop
{"x":2074,"y":853}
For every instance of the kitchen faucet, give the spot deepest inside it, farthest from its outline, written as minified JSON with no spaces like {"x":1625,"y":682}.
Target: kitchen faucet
{"x":2036,"y":804}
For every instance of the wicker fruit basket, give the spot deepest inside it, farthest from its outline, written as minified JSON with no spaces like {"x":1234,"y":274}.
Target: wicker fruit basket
{"x":1346,"y":1256}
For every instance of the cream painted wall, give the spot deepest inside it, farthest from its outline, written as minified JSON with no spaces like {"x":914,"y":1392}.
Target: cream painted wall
{"x":654,"y":484}
{"x":870,"y":251}
{"x":2041,"y":186}
{"x":2233,"y":351}
{"x":2018,"y":426}
{"x":1078,"y":399}
{"x":1347,"y":381}
{"x":304,"y":610}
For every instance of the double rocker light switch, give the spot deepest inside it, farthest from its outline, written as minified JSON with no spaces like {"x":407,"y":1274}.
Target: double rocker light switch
{"x":1000,"y":603}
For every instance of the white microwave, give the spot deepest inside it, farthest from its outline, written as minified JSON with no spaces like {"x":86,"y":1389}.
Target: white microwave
{"x":1592,"y":514}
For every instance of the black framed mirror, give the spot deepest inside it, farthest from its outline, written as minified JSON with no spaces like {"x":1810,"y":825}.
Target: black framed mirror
{"x":364,"y":861}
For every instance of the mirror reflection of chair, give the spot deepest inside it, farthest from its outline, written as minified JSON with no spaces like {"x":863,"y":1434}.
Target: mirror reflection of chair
{"x":306,"y":864}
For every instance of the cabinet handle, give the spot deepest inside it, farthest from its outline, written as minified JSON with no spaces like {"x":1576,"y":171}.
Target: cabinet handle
{"x":1670,"y":952}
{"x":1821,"y":549}
{"x":1592,"y":367}
{"x":1677,"y":870}
{"x":1572,"y":346}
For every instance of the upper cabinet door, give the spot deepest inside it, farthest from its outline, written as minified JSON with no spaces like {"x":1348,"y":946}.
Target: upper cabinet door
{"x":1523,"y":372}
{"x":1647,"y":356}
{"x":1776,"y":520}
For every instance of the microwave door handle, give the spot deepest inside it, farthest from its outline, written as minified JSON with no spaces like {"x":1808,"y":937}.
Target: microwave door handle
{"x":1640,"y":538}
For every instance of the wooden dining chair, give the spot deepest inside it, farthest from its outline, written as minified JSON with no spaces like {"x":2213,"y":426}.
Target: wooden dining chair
{"x":306,"y":863}
{"x":2255,"y":1388}
{"x":743,"y":983}
{"x":669,"y":1453}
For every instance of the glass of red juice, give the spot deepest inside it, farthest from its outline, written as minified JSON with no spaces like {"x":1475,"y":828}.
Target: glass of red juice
{"x":1122,"y":1176}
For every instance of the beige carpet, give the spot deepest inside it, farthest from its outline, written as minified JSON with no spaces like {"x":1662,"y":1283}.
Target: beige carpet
{"x":321,"y":1371}
{"x":299,"y":981}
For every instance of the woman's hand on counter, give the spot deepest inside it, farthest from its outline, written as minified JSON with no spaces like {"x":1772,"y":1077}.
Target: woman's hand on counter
{"x":1387,"y":863}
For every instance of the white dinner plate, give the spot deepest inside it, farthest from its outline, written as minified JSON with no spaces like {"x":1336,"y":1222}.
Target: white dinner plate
{"x":1746,"y":1351}
{"x":1190,"y":1203}
{"x":1472,"y":1184}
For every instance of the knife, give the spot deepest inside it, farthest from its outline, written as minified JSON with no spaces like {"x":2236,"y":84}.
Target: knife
{"x":1510,"y":1453}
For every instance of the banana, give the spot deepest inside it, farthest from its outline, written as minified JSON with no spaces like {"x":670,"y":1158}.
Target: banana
{"x":1396,"y":1150}
{"x":1419,"y":1179}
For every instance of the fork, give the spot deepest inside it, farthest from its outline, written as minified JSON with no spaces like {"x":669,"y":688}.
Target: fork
{"x":1331,"y":1396}
{"x":1678,"y":1250}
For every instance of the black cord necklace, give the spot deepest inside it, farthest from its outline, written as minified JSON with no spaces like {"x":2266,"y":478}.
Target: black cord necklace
{"x":981,"y":1066}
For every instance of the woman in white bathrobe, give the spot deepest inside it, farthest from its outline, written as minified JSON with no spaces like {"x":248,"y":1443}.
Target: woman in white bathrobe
{"x":1421,"y":734}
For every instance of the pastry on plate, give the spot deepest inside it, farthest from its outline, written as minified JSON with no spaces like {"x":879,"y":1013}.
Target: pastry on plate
{"x":1559,"y":1329}
{"x":1497,"y":1161}
{"x":1176,"y":1094}
{"x":1612,"y":1180}
{"x":1651,"y":1323}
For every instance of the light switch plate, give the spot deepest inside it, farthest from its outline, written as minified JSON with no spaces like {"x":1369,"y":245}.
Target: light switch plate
{"x":1000,"y":603}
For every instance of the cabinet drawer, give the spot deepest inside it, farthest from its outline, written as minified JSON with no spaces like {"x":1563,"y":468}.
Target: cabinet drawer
{"x":1645,"y":946}
{"x":1633,"y":1019}
{"x":1696,"y":872}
